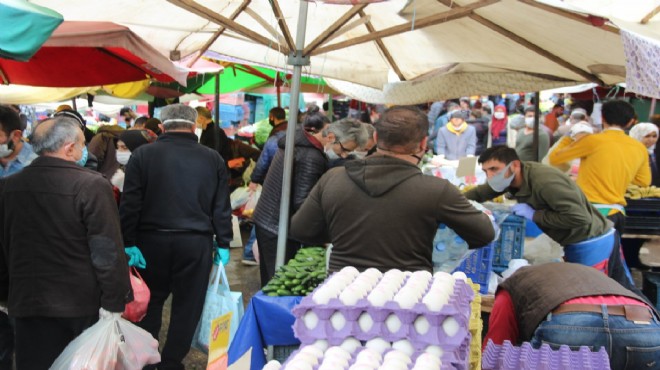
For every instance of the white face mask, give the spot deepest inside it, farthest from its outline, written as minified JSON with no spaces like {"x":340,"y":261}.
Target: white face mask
{"x":498,"y":115}
{"x":529,"y":122}
{"x":360,"y":155}
{"x":331,"y":154}
{"x":5,"y":151}
{"x":122,"y":157}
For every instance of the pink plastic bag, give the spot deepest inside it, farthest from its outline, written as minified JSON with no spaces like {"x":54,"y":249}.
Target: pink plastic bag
{"x":137,"y":309}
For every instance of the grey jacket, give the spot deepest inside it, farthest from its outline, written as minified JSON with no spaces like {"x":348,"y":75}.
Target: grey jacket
{"x":454,"y":146}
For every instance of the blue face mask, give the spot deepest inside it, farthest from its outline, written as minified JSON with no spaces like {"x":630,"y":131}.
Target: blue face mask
{"x":83,"y":159}
{"x":499,"y":182}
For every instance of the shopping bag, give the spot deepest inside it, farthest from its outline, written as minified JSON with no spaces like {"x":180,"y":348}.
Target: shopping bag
{"x":137,"y":309}
{"x":111,"y":344}
{"x":219,"y":301}
{"x":239,"y":197}
{"x":251,"y":203}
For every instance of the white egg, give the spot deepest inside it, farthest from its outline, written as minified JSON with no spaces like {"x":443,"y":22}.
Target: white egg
{"x":378,"y":344}
{"x":450,"y":326}
{"x":373,"y":272}
{"x":459,"y":275}
{"x":429,"y":360}
{"x":365,"y":322}
{"x":434,"y":302}
{"x":350,"y":345}
{"x":407,"y":273}
{"x":393,"y":323}
{"x":298,"y":365}
{"x":377,"y":298}
{"x":442,"y":275}
{"x":352,"y":271}
{"x":337,"y":320}
{"x":369,"y":356}
{"x":310,"y":319}
{"x":307,"y":357}
{"x":323,"y":295}
{"x":398,"y":356}
{"x":321,"y":344}
{"x":312,"y":350}
{"x":422,"y":325}
{"x":350,"y":296}
{"x":406,"y":299}
{"x":330,"y":366}
{"x":361,"y":286}
{"x":423,"y":274}
{"x":434,"y":350}
{"x":333,"y":363}
{"x":393,"y":365}
{"x":272,"y":365}
{"x":404,"y":346}
{"x":362,"y":366}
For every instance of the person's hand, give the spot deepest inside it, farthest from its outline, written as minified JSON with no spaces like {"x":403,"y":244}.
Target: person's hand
{"x":236,"y":163}
{"x":523,"y":210}
{"x":135,"y":257}
{"x":253,"y":186}
{"x":221,"y":255}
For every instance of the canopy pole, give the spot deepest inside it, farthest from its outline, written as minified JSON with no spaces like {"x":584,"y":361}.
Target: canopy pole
{"x":74,"y":105}
{"x":652,"y":110}
{"x":298,"y":61}
{"x":331,"y":113}
{"x":217,"y":100}
{"x":537,"y":127}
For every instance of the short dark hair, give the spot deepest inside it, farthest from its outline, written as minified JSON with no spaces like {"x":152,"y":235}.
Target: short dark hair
{"x":486,"y":109}
{"x":9,"y":119}
{"x":204,"y":112}
{"x":278,"y":113}
{"x":315,"y":122}
{"x":124,"y":110}
{"x":618,"y":112}
{"x":655,"y":119}
{"x":401,"y":128}
{"x":530,"y":109}
{"x":501,"y":153}
{"x":153,"y":125}
{"x":140,"y":121}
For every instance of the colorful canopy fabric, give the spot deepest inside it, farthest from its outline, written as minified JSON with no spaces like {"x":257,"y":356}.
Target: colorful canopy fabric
{"x":25,"y":27}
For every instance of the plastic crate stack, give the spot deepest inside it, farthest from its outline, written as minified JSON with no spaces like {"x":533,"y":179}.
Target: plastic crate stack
{"x":509,"y":357}
{"x":476,"y":328}
{"x":413,"y":313}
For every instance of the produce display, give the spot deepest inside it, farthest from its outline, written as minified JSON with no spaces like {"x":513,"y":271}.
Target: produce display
{"x":300,"y":275}
{"x":466,"y":188}
{"x":525,"y":357}
{"x":637,"y":192}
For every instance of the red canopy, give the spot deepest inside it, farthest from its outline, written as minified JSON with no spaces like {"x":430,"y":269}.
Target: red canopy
{"x":91,"y":54}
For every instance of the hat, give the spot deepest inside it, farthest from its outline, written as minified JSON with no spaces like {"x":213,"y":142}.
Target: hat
{"x":579,"y":111}
{"x":72,"y":114}
{"x":458,"y":114}
{"x":580,"y":128}
{"x":136,"y":138}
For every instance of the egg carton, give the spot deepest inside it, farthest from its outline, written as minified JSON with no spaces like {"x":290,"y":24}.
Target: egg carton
{"x":401,"y":320}
{"x":510,"y":357}
{"x":448,"y":360}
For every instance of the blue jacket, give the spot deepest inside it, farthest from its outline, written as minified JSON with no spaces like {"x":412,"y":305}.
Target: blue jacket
{"x":266,"y":157}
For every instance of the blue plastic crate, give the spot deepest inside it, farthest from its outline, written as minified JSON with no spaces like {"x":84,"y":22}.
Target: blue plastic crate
{"x":230,"y":113}
{"x":478,"y":265}
{"x":510,"y":244}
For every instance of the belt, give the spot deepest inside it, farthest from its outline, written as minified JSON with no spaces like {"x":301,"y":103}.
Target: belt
{"x":639,"y":314}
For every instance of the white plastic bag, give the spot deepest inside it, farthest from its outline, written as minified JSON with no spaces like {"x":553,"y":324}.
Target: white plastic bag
{"x":239,"y":197}
{"x":113,"y":343}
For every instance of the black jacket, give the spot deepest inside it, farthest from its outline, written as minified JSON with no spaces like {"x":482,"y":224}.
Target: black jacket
{"x":309,"y":164}
{"x":176,"y":184}
{"x":61,"y":241}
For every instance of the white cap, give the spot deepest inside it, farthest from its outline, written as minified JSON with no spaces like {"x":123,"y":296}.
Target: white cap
{"x":577,"y":111}
{"x":580,"y":128}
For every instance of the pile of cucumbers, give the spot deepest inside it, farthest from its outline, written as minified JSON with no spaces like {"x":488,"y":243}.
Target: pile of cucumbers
{"x":300,"y":275}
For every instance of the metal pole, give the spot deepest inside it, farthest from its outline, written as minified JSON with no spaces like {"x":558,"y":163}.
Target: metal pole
{"x":331,"y":113}
{"x":652,"y":110}
{"x":74,"y":105}
{"x":297,"y":60}
{"x":537,"y":117}
{"x":217,"y":100}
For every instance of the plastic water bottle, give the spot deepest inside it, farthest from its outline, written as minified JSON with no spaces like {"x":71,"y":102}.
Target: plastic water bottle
{"x":440,"y":254}
{"x":457,"y":248}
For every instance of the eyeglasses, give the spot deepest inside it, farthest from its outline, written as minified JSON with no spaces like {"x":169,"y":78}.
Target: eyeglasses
{"x":343,"y":149}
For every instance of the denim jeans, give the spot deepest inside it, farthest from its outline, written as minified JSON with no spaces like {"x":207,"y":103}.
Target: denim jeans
{"x":247,"y":252}
{"x":630,"y":345}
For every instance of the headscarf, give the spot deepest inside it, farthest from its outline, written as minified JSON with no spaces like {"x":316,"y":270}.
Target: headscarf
{"x":640,"y":130}
{"x":498,"y":125}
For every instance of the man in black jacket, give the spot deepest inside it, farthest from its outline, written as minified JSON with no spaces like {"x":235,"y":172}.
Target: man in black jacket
{"x":175,"y":198}
{"x":62,"y":250}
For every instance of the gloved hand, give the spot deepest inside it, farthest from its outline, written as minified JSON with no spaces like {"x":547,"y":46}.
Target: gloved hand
{"x":523,"y":210}
{"x":220,"y":255}
{"x":135,"y":257}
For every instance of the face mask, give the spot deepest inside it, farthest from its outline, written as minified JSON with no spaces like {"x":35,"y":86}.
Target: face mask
{"x":360,"y":155}
{"x":529,"y":122}
{"x":331,"y":154}
{"x":498,"y":115}
{"x":498,"y":182}
{"x":122,"y":157}
{"x":271,"y":122}
{"x":83,"y":159}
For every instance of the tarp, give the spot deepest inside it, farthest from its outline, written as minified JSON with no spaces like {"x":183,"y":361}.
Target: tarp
{"x":25,"y":27}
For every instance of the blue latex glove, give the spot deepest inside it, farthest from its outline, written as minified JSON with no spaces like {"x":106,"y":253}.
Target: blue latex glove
{"x":135,"y":257}
{"x":523,"y":210}
{"x":220,"y":255}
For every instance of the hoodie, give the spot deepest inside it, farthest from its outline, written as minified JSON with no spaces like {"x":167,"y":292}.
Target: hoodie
{"x":383,"y":212}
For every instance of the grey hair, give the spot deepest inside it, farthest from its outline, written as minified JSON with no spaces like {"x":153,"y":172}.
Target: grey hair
{"x":349,"y":129}
{"x":51,"y":138}
{"x":178,"y":116}
{"x":370,"y":130}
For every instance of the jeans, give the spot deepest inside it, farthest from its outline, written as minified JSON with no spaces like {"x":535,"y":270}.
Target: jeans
{"x":629,"y":345}
{"x":247,"y":252}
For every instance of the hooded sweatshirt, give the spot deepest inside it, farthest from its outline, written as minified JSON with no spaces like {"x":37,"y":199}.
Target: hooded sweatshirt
{"x":383,"y":212}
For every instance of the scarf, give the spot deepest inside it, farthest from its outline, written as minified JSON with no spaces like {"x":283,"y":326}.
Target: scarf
{"x":458,"y":130}
{"x":498,"y":125}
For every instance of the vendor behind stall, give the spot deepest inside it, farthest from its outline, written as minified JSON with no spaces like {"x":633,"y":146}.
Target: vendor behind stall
{"x":382,"y":211}
{"x":569,"y":304}
{"x":556,"y":204}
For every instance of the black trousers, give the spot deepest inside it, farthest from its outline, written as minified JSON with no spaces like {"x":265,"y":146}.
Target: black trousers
{"x":40,"y":340}
{"x":180,"y":264}
{"x":6,"y":342}
{"x":268,"y":253}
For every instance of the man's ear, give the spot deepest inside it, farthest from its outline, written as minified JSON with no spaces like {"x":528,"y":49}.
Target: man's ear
{"x":423,"y":144}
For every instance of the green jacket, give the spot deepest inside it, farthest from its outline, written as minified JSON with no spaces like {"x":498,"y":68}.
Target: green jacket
{"x":562,"y":210}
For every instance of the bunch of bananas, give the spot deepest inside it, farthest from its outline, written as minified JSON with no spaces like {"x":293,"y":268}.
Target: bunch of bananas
{"x":636,"y":192}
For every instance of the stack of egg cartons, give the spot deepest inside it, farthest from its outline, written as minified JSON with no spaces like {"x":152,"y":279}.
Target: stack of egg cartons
{"x":410,"y":312}
{"x":476,"y":327}
{"x":509,"y":357}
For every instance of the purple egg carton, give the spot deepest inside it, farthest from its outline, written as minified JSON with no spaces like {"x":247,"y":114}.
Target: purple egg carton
{"x":450,"y":360}
{"x":458,"y":308}
{"x":510,"y":357}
